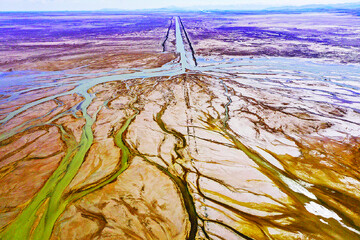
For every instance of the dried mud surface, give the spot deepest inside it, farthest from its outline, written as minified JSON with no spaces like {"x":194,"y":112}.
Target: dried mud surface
{"x":167,"y":137}
{"x":324,"y":35}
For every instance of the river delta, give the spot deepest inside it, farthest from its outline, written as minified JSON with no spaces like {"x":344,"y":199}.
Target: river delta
{"x":179,"y":126}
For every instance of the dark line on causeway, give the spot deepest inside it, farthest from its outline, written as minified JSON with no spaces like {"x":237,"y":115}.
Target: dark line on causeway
{"x":187,"y":38}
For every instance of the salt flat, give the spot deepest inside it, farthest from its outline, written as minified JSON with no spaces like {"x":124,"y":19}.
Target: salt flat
{"x":187,"y":125}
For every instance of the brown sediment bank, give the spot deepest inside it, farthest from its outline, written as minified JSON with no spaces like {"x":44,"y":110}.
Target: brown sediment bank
{"x":225,"y":150}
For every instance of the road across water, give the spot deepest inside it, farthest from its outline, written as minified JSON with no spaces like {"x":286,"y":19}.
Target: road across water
{"x":227,"y":84}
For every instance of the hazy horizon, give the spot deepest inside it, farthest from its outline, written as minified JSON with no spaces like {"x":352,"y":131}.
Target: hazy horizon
{"x":92,"y":5}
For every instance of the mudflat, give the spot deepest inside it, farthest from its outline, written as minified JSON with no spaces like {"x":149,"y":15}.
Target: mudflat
{"x":186,"y":125}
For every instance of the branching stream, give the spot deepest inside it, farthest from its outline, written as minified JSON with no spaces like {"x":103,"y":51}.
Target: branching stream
{"x":241,"y":141}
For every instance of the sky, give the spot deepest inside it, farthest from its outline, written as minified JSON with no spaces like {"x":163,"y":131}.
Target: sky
{"x":60,"y":5}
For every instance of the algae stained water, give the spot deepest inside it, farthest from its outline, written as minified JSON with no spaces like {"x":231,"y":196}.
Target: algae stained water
{"x":179,"y":125}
